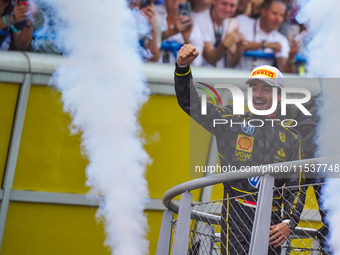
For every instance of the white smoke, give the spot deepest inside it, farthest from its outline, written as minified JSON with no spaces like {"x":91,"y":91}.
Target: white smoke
{"x":322,"y":18}
{"x":103,"y":89}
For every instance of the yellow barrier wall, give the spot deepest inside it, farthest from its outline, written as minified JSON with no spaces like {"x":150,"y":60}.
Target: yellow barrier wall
{"x":41,"y":229}
{"x":49,"y":157}
{"x":8,"y":100}
{"x":50,"y":160}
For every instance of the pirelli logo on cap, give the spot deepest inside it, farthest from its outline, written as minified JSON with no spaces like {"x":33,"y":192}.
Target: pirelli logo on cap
{"x":264,"y":72}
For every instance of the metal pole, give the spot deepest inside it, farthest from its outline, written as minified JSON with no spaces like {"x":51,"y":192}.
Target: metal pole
{"x":14,"y":151}
{"x":207,"y":240}
{"x":315,"y":246}
{"x":260,"y":233}
{"x":163,"y":246}
{"x":181,"y":237}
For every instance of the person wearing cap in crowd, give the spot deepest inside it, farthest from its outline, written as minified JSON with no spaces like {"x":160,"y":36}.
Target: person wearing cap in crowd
{"x":177,"y":28}
{"x":246,"y":145}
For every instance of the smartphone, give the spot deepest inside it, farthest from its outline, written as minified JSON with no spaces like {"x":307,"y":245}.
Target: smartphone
{"x":292,"y":32}
{"x":22,"y":2}
{"x":232,"y":25}
{"x":184,"y":9}
{"x":144,"y":3}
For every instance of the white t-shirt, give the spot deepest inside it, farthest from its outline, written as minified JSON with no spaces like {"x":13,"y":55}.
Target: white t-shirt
{"x":252,"y":32}
{"x":195,"y":37}
{"x":207,"y":27}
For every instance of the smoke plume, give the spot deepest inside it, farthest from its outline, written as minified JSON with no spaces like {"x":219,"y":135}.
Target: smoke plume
{"x":103,"y":89}
{"x":322,"y":19}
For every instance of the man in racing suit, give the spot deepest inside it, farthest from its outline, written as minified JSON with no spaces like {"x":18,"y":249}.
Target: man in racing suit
{"x":241,"y":145}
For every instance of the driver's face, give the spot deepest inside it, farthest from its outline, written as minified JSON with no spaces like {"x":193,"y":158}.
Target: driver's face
{"x":262,"y":95}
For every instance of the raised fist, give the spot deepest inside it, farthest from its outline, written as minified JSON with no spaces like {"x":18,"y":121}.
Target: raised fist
{"x":186,"y":54}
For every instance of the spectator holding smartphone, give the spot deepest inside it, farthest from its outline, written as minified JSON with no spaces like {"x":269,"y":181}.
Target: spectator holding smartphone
{"x":177,"y":26}
{"x":149,"y":38}
{"x":153,"y":42}
{"x":16,"y":23}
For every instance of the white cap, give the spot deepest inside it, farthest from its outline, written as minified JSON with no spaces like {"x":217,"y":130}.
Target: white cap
{"x":269,"y":74}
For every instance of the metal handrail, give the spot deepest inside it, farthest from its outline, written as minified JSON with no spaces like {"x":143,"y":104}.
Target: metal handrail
{"x":297,"y":232}
{"x":172,"y":46}
{"x":260,"y":54}
{"x":217,"y":179}
{"x":304,"y":233}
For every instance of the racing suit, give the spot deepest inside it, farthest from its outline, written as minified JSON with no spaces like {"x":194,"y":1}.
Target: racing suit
{"x":241,"y":146}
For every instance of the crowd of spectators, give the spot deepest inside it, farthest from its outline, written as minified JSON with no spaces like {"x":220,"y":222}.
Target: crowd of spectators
{"x":237,"y":34}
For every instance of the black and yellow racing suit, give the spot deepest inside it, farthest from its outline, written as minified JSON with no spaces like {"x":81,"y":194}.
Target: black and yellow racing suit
{"x":241,"y":147}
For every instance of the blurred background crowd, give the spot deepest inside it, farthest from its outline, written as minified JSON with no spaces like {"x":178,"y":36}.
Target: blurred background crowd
{"x":238,"y":34}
